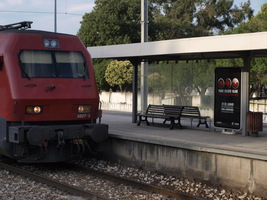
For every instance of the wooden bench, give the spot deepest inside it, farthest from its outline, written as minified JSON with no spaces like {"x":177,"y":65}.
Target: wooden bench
{"x":168,"y":113}
{"x":175,"y":112}
{"x":192,"y":112}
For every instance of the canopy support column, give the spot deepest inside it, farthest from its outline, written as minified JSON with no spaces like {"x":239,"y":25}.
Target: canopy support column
{"x":245,"y":93}
{"x":135,"y":91}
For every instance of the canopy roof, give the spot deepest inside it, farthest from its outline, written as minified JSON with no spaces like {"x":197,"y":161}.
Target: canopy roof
{"x":226,"y":46}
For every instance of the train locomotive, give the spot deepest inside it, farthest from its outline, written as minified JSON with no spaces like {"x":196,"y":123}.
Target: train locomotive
{"x":49,"y":101}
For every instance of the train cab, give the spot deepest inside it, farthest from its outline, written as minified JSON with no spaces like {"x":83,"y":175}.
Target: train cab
{"x":49,"y":97}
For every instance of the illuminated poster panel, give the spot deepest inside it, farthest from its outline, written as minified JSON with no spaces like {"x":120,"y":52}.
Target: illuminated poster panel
{"x":227,"y":105}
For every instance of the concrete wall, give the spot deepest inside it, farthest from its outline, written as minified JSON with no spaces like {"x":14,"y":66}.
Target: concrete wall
{"x":122,"y":101}
{"x":233,"y":172}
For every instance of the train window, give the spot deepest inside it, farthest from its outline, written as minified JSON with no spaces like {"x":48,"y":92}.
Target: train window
{"x":71,"y":65}
{"x":36,"y":64}
{"x":52,"y":64}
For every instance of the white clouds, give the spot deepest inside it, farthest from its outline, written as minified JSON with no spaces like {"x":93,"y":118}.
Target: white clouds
{"x":14,"y":2}
{"x":9,"y":3}
{"x":73,"y":24}
{"x":41,"y":12}
{"x":80,"y":8}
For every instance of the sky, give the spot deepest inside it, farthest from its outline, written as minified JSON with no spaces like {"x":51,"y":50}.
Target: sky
{"x":69,"y":13}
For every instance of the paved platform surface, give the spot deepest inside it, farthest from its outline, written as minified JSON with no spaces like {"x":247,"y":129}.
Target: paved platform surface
{"x":194,"y":138}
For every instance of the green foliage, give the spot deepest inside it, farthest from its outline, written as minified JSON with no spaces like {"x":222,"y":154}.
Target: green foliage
{"x":174,"y":19}
{"x":236,"y":62}
{"x":119,"y":73}
{"x":118,"y":21}
{"x":156,"y":82}
{"x":180,"y":77}
{"x":191,"y":18}
{"x":100,"y":67}
{"x":258,"y":77}
{"x":256,"y":24}
{"x":176,"y":77}
{"x":111,"y":22}
{"x":203,"y":76}
{"x":180,"y":80}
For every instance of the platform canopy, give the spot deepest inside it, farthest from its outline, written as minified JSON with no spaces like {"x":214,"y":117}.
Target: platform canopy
{"x":245,"y":46}
{"x":212,"y":47}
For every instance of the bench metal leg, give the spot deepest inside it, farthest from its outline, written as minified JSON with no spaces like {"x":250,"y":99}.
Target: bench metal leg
{"x":172,"y":123}
{"x":205,"y":122}
{"x":207,"y":126}
{"x":147,"y":123}
{"x":140,"y":120}
{"x":199,"y":122}
{"x":179,"y":123}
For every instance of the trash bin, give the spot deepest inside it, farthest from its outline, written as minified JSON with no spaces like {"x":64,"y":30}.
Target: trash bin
{"x":254,"y":122}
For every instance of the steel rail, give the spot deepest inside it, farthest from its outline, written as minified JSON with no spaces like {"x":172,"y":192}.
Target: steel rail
{"x":137,"y":184}
{"x":53,"y":183}
{"x":89,"y":195}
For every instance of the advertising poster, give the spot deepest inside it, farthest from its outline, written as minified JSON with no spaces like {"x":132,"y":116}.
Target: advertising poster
{"x":227,"y":105}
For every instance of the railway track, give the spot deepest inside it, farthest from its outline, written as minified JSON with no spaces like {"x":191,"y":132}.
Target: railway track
{"x":169,"y":194}
{"x":51,"y":182}
{"x":147,"y":187}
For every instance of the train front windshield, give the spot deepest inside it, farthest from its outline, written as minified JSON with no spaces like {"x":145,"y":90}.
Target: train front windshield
{"x":52,"y":64}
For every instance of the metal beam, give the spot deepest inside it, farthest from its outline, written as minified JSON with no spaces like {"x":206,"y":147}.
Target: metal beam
{"x":144,"y":65}
{"x":55,"y":17}
{"x":245,"y":93}
{"x":135,"y":91}
{"x":144,"y":21}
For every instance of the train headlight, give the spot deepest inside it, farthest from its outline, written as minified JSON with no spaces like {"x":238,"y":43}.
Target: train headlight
{"x":84,"y":108}
{"x":51,"y":43}
{"x":34,"y":110}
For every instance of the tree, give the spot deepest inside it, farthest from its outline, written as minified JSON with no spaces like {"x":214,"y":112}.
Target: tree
{"x":213,"y":16}
{"x":100,"y":67}
{"x":202,"y":76}
{"x":156,"y":82}
{"x":173,"y":19}
{"x":191,"y":18}
{"x":258,"y":77}
{"x":118,"y":21}
{"x":256,"y":24}
{"x":171,"y":78}
{"x":119,"y":73}
{"x":111,"y":22}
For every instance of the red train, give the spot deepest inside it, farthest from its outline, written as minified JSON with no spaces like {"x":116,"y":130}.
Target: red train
{"x":49,"y":102}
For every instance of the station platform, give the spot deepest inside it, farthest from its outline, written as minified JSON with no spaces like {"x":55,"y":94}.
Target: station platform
{"x":192,"y":138}
{"x":229,"y":160}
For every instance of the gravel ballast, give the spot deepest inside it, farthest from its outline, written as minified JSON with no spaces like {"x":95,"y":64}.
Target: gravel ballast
{"x":17,"y":187}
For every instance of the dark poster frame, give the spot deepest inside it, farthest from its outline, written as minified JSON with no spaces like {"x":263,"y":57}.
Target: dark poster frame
{"x":227,"y":99}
